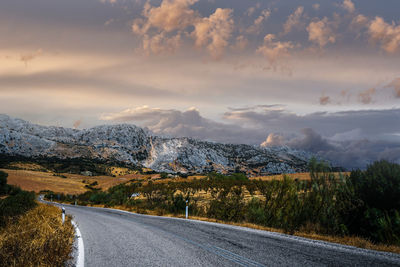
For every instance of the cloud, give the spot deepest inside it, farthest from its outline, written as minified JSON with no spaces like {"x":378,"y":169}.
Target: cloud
{"x":274,"y":51}
{"x":258,"y":22}
{"x":357,"y":153}
{"x":359,"y":21}
{"x":395,"y":84}
{"x":387,"y":35}
{"x":108,"y":1}
{"x":294,"y":20}
{"x":348,"y":5}
{"x":169,"y":16}
{"x":177,"y":18}
{"x":311,"y":141}
{"x":214,"y":32}
{"x":374,"y":124}
{"x":250,"y":11}
{"x":324,"y":100}
{"x":28,"y":57}
{"x":366,"y":97}
{"x":273,"y":140}
{"x":189,"y":123}
{"x":316,"y":6}
{"x":321,"y":32}
{"x":77,"y":123}
{"x":160,"y":43}
{"x":241,"y":43}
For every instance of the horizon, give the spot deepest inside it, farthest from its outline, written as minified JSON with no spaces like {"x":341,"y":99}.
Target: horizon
{"x":315,"y":76}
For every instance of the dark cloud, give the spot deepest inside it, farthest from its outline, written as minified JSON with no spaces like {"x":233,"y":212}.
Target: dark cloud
{"x":350,"y":139}
{"x":189,"y":123}
{"x":372,"y":123}
{"x":348,"y":154}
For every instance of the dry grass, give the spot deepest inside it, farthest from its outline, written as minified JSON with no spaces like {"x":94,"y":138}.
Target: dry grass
{"x":36,"y":181}
{"x":38,"y":238}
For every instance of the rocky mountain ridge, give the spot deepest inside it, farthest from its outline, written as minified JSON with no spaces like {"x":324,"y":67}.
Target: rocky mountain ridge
{"x":131,"y":144}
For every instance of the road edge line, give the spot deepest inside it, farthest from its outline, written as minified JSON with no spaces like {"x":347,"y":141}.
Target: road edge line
{"x":80,"y":262}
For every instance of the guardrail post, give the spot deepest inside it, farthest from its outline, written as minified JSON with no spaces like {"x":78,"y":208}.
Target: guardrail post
{"x":187,"y":209}
{"x":63,"y":215}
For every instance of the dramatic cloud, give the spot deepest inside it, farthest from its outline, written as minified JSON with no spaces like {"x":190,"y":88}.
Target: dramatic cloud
{"x":189,"y":123}
{"x":214,"y":32}
{"x":348,"y":5}
{"x":373,"y":124}
{"x":274,"y":51}
{"x":349,"y":154}
{"x":387,"y":35}
{"x":348,"y":139}
{"x":177,"y":17}
{"x":169,"y":16}
{"x":294,"y":20}
{"x":258,"y":22}
{"x":320,"y":32}
{"x":273,"y":140}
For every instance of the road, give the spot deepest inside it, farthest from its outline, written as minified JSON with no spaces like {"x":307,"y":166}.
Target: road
{"x":117,"y":238}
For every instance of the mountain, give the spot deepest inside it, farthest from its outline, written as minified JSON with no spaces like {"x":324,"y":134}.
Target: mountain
{"x":130,"y":144}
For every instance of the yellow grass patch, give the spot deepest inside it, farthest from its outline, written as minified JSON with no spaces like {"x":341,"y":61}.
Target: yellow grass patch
{"x":36,"y":181}
{"x":38,"y":238}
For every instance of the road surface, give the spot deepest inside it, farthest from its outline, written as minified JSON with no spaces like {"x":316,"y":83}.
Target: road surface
{"x":117,"y":238}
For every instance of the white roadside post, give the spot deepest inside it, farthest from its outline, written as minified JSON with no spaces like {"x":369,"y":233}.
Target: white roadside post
{"x":187,"y":209}
{"x":63,"y":214}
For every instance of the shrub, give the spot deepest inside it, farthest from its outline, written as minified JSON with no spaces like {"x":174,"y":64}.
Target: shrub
{"x":15,"y":205}
{"x":3,"y":183}
{"x":378,"y":189}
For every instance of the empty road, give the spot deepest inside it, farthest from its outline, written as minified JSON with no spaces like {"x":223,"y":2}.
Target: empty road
{"x":117,"y":238}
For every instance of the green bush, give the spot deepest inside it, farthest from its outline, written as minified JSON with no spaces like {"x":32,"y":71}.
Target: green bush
{"x":378,"y":189}
{"x":3,"y":183}
{"x":15,"y":205}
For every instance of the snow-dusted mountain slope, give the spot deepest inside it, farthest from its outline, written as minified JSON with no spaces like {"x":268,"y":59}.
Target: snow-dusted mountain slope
{"x":131,"y":144}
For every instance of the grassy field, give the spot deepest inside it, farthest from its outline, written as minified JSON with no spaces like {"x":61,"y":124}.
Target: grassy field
{"x":72,"y":184}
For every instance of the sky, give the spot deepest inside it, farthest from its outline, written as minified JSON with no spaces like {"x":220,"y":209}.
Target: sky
{"x":323,"y":76}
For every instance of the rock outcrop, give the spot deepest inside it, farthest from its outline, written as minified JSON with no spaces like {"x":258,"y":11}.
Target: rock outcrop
{"x":131,"y":144}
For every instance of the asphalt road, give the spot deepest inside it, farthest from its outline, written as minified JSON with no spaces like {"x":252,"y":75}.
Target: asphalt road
{"x":117,"y":238}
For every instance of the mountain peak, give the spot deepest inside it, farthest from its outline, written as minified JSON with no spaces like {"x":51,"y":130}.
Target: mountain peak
{"x":129,"y":143}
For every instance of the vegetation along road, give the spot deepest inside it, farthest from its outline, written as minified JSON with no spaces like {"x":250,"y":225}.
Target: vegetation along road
{"x":118,"y":238}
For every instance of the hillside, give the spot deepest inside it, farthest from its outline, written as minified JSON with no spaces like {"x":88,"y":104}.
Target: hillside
{"x":129,"y":144}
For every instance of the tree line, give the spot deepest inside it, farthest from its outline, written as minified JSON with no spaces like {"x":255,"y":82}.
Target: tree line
{"x":364,"y":203}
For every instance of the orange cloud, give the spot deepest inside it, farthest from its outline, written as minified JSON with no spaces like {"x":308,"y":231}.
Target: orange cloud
{"x":258,"y":22}
{"x":320,"y":32}
{"x":214,"y":32}
{"x":348,"y":5}
{"x":294,"y":20}
{"x":274,"y":51}
{"x":388,"y":35}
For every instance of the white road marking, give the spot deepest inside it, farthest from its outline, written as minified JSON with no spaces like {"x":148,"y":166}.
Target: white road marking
{"x":80,"y":262}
